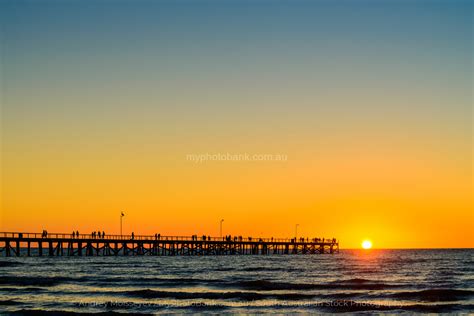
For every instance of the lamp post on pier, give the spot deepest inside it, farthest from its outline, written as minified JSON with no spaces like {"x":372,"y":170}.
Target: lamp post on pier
{"x":121,"y":216}
{"x":221,"y":227}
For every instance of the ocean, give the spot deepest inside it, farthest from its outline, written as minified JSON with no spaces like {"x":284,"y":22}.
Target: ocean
{"x":354,"y":281}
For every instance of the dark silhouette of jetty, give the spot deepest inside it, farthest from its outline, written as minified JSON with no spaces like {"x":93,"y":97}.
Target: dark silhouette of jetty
{"x":99,"y":244}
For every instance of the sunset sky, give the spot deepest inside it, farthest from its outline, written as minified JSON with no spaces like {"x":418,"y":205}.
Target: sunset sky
{"x":371,"y":101}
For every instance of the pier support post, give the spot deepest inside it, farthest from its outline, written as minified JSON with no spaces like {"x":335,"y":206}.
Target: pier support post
{"x":125,"y":249}
{"x":7,"y":249}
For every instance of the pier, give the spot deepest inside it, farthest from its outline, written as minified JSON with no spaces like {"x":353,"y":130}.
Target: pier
{"x":41,"y":244}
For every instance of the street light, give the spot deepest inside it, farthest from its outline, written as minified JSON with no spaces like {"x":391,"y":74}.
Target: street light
{"x":221,"y":227}
{"x":296,"y":230}
{"x":121,"y":216}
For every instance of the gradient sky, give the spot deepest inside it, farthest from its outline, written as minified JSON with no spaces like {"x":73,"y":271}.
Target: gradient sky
{"x":371,"y":101}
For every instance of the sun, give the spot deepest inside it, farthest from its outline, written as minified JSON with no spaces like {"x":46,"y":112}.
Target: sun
{"x":366,"y":244}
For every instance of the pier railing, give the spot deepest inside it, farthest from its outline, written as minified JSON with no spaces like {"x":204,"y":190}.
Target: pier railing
{"x":21,"y":235}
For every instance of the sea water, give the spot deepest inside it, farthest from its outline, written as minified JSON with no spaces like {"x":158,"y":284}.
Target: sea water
{"x":375,"y":281}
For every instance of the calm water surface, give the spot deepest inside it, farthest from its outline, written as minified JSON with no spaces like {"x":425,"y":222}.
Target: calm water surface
{"x":380,"y":281}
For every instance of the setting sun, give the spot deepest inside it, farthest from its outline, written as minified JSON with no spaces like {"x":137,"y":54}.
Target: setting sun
{"x":366,"y":244}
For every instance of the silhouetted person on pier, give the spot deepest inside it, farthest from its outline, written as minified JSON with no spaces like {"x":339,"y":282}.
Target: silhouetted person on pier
{"x":77,"y":234}
{"x":103,"y":234}
{"x":98,"y":234}
{"x":73,"y":234}
{"x":159,"y":236}
{"x":133,"y":235}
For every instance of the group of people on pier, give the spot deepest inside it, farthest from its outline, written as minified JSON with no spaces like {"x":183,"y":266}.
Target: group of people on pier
{"x":314,"y":240}
{"x":98,"y":234}
{"x":94,"y":235}
{"x":229,"y":238}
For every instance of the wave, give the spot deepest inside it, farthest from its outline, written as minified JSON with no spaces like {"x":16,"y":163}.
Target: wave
{"x":21,"y":289}
{"x":223,"y":269}
{"x":269,"y":285}
{"x":337,"y":306}
{"x":5,"y":264}
{"x":52,"y":281}
{"x":65,"y":313}
{"x":244,"y":296}
{"x":238,"y":295}
{"x":344,"y":306}
{"x":355,"y":284}
{"x":38,"y":281}
{"x":269,"y":269}
{"x":435,"y":295}
{"x":259,"y":284}
{"x":8,"y":302}
{"x":362,"y":284}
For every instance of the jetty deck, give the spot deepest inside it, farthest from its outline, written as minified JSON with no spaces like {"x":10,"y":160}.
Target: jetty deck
{"x":39,"y":244}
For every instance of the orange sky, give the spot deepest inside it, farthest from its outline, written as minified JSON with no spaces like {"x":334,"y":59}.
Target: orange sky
{"x":354,"y":193}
